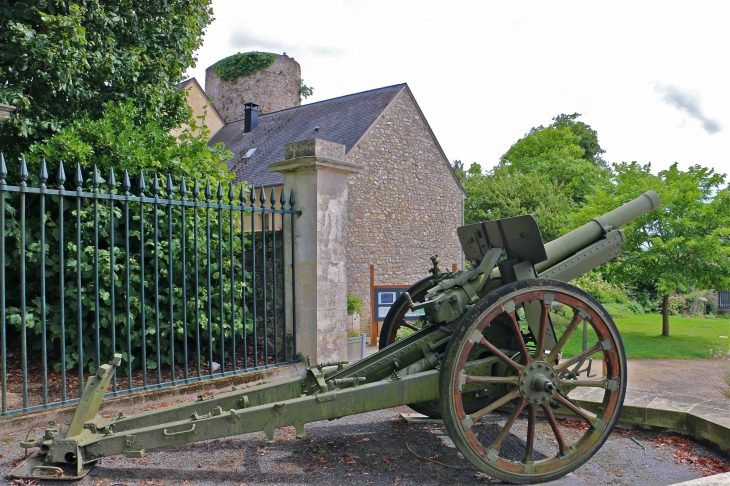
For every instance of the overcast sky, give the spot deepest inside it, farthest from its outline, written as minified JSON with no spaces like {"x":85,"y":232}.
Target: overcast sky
{"x":650,"y":77}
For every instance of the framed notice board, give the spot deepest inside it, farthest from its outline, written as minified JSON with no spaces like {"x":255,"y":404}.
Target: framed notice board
{"x":385,"y":297}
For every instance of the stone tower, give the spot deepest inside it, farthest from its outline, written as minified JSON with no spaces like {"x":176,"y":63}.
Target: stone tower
{"x":273,"y":88}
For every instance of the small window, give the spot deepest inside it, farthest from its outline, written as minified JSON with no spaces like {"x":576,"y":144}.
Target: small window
{"x":250,"y":153}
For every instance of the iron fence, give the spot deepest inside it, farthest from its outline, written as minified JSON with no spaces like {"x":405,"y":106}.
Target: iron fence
{"x":723,"y":299}
{"x":187,"y":283}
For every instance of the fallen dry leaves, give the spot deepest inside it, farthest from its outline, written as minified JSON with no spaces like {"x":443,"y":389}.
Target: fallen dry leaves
{"x":683,"y":454}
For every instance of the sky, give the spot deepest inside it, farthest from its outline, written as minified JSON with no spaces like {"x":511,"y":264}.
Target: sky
{"x":652,"y":78}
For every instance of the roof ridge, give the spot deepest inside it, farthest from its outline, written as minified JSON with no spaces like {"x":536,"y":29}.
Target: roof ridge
{"x":326,"y":101}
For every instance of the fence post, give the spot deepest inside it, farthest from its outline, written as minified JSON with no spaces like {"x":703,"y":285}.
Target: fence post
{"x":317,"y":174}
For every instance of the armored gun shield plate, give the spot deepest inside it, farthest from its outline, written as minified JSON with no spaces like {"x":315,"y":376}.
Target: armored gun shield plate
{"x":519,"y":236}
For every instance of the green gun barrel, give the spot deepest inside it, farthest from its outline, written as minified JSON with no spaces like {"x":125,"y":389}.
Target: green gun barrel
{"x":570,"y":243}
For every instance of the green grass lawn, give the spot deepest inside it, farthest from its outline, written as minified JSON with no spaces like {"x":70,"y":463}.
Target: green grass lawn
{"x":690,"y":338}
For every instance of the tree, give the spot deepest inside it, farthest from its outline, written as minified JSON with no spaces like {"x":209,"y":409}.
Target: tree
{"x":684,"y":244}
{"x":586,"y":136}
{"x":458,"y":167}
{"x":503,"y":194}
{"x":118,"y":141}
{"x":61,"y":61}
{"x":566,"y":152}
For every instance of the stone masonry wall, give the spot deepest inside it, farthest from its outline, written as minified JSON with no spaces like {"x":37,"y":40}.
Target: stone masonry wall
{"x":274,"y":88}
{"x":404,"y":207}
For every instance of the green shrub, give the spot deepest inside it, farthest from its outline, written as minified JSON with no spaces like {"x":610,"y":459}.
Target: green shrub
{"x":221,"y":312}
{"x":622,"y":311}
{"x":676,"y":304}
{"x":603,"y":291}
{"x":711,"y":306}
{"x":243,"y":64}
{"x":354,"y":304}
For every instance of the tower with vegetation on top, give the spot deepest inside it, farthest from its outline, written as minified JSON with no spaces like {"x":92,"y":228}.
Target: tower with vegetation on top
{"x":272,"y":81}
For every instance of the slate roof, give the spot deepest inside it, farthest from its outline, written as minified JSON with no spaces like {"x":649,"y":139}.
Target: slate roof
{"x":342,"y":120}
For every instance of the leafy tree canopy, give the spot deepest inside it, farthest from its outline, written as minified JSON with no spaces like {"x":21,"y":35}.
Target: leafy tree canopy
{"x":61,"y":61}
{"x":118,"y":141}
{"x":684,"y":244}
{"x":504,"y":194}
{"x":566,"y":152}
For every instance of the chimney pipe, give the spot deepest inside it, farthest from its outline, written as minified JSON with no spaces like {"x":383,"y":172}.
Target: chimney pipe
{"x":250,"y":116}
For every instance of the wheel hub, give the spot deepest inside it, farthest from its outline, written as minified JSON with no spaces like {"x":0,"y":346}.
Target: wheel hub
{"x":537,"y":382}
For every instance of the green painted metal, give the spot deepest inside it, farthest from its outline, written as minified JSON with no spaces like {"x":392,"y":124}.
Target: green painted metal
{"x":108,"y":251}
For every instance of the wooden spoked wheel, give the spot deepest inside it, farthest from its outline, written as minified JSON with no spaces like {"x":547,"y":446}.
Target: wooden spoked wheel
{"x":517,"y":437}
{"x":395,"y":321}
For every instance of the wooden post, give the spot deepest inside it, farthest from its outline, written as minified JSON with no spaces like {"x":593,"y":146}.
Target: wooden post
{"x":373,"y":324}
{"x":454,"y":267}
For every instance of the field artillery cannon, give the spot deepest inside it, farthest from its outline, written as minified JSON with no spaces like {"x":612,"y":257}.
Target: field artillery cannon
{"x":496,"y":353}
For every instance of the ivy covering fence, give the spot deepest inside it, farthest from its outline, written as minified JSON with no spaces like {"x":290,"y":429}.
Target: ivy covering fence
{"x":185,"y":280}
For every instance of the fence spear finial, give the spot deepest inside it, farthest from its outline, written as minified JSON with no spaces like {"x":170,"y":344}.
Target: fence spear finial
{"x":282,"y":199}
{"x":95,"y":179}
{"x":252,"y":196}
{"x":170,"y":187}
{"x":207,"y":190}
{"x":196,"y":189}
{"x":126,"y":183}
{"x":183,"y":187}
{"x":61,"y":177}
{"x":23,"y":171}
{"x":3,"y":169}
{"x":156,"y":186}
{"x":291,"y":199}
{"x":79,"y":177}
{"x":142,"y":185}
{"x":112,"y":182}
{"x":44,"y":172}
{"x":219,"y":193}
{"x":262,"y":196}
{"x":272,"y":197}
{"x":242,"y":195}
{"x":231,"y":193}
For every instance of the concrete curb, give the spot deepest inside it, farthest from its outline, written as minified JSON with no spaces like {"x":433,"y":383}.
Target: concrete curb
{"x":716,"y":480}
{"x":701,"y":418}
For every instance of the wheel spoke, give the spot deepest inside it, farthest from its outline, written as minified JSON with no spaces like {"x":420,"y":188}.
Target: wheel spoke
{"x":494,"y":405}
{"x":409,"y":326}
{"x":507,"y":426}
{"x":579,"y":357}
{"x":505,"y":380}
{"x":604,"y":383}
{"x":499,"y":354}
{"x":564,"y":338}
{"x":530,"y":440}
{"x":590,"y":418}
{"x":544,"y":313}
{"x":562,"y":446}
{"x":515,"y":326}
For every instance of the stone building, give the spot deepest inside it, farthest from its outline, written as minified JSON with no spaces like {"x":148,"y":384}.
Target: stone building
{"x":403,"y":208}
{"x":273,"y":88}
{"x":204,"y":113}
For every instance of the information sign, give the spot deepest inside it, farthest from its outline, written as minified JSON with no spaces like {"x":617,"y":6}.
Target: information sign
{"x":385,"y":297}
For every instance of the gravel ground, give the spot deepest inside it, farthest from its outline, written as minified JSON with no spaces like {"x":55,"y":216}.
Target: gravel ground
{"x":371,"y":448}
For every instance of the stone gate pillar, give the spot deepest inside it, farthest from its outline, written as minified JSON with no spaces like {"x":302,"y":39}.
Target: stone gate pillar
{"x":5,"y":112}
{"x":317,"y":174}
